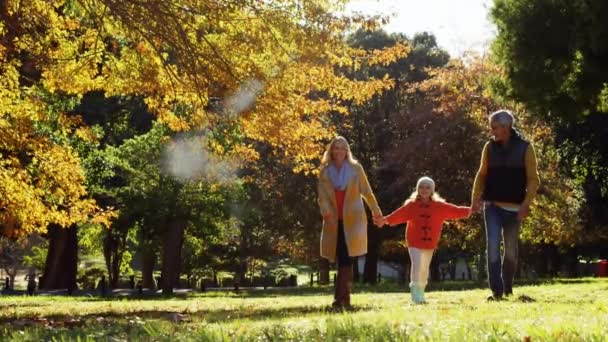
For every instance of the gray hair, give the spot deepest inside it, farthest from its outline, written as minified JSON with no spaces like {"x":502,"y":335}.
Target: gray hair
{"x":503,"y":117}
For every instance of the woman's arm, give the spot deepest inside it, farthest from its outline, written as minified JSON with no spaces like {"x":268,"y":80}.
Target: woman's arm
{"x":322,"y":197}
{"x":367,"y":193}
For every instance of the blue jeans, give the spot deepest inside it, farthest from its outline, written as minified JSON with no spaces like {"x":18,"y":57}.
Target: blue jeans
{"x":501,"y":224}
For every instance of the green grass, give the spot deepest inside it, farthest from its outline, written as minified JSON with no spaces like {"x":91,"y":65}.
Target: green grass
{"x":564,"y":310}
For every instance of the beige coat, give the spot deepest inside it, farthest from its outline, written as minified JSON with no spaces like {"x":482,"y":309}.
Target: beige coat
{"x":354,"y":216}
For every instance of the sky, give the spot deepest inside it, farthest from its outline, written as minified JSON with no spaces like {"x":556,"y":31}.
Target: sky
{"x":458,"y":25}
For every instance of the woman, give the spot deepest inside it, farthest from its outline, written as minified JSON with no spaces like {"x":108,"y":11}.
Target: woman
{"x":342,"y":186}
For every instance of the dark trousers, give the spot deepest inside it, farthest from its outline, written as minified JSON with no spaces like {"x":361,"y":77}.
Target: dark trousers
{"x":502,"y":225}
{"x":345,"y":271}
{"x":343,"y":259}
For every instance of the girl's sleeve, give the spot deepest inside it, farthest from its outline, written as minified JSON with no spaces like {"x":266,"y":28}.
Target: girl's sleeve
{"x":451,"y":211}
{"x":401,"y":215}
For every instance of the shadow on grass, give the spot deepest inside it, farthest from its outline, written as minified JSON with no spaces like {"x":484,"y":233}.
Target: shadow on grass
{"x":241,"y":310}
{"x":208,"y":316}
{"x":567,"y":281}
{"x":317,"y":290}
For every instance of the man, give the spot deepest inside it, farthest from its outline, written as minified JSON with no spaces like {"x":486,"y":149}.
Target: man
{"x":504,"y":186}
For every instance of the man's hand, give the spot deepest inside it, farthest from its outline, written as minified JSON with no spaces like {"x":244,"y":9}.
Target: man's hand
{"x":476,"y":206}
{"x":523,"y":212}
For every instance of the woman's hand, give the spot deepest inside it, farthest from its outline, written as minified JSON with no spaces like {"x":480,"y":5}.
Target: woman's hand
{"x":329,"y":218}
{"x":379,"y":221}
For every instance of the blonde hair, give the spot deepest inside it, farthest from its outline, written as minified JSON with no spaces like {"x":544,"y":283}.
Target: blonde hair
{"x":327,"y":154}
{"x":415,"y":196}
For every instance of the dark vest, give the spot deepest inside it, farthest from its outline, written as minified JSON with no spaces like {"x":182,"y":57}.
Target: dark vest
{"x":506,"y":179}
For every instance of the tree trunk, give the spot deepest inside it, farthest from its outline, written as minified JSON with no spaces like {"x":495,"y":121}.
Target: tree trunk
{"x":482,"y":269}
{"x":110,"y":247}
{"x":148,"y":260}
{"x":113,"y":248}
{"x":356,"y":275}
{"x":62,"y":259}
{"x":11,"y":278}
{"x":571,"y":262}
{"x":323,"y":271}
{"x":434,"y":271}
{"x":107,"y":253}
{"x":241,"y":272}
{"x":603,"y":252}
{"x":172,"y":254}
{"x":370,"y":270}
{"x":547,"y":265}
{"x":555,"y":261}
{"x":116,"y":261}
{"x":178,"y":265}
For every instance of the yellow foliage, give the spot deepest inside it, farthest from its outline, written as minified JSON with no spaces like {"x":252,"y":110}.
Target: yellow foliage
{"x":461,"y":88}
{"x":177,"y":54}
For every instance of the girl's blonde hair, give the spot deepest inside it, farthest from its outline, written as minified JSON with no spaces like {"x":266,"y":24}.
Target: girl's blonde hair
{"x":415,"y":196}
{"x":327,"y":155}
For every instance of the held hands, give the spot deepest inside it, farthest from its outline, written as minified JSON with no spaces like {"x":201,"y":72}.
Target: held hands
{"x":379,"y":221}
{"x":523,"y":212}
{"x":471,"y":211}
{"x":476,"y":206}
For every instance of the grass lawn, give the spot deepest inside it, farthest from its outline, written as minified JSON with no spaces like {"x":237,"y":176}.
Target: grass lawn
{"x":562,"y":310}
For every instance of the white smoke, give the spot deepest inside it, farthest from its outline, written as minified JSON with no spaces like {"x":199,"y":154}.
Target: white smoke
{"x":244,"y":98}
{"x":187,"y":159}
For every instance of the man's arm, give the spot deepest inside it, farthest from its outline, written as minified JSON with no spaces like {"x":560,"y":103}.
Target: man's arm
{"x":532,"y":182}
{"x":532,"y":177}
{"x":480,"y":180}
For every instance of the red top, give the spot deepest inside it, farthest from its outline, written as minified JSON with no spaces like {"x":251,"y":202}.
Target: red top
{"x":424,"y":221}
{"x":340,"y":194}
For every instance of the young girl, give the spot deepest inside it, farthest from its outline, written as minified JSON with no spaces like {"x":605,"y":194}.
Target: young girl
{"x":424,"y":213}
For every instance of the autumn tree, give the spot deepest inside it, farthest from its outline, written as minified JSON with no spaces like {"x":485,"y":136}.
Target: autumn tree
{"x":555,"y":60}
{"x":176,"y":56}
{"x":370,"y":127}
{"x":281,"y":206}
{"x":455,"y":127}
{"x":11,"y":258}
{"x":113,"y":120}
{"x":164,"y":205}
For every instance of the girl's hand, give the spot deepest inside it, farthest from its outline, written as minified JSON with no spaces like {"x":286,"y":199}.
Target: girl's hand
{"x":379,"y":221}
{"x":476,"y":206}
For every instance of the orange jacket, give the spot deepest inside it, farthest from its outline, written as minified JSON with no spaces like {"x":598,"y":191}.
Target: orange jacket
{"x":424,"y":221}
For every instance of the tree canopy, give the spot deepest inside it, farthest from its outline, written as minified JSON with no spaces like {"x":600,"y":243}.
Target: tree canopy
{"x":555,"y":60}
{"x":255,"y":56}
